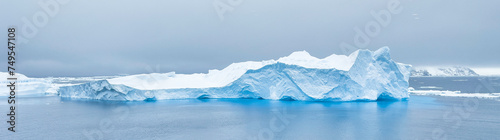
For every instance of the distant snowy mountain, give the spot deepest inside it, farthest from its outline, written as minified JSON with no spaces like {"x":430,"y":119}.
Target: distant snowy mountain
{"x":442,"y":71}
{"x":363,"y":75}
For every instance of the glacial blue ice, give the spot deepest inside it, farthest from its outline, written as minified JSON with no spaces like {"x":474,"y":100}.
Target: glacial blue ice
{"x":363,"y":75}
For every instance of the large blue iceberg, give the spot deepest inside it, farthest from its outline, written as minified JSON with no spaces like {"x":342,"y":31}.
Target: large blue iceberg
{"x":363,"y":75}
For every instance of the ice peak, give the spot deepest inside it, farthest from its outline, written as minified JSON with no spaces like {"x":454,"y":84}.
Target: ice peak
{"x":297,"y":56}
{"x":382,"y":53}
{"x":300,"y":54}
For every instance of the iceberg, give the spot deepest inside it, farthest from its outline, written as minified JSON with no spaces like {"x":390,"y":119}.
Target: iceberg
{"x":363,"y":75}
{"x":25,"y":86}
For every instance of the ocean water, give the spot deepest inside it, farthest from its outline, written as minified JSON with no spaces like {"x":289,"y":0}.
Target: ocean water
{"x":463,"y":84}
{"x":420,"y":117}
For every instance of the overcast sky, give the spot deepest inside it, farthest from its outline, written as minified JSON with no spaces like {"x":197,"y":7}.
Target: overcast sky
{"x":95,"y":37}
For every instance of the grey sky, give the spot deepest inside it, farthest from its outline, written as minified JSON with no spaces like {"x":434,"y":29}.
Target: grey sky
{"x":93,"y":37}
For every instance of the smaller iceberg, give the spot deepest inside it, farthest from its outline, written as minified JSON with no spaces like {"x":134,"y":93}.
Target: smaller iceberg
{"x":363,"y":75}
{"x":25,"y":86}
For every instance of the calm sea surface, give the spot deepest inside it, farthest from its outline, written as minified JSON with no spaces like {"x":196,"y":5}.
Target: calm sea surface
{"x":421,"y":117}
{"x":463,"y":84}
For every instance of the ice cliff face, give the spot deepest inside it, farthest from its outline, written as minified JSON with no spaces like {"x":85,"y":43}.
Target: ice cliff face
{"x":363,"y":75}
{"x":443,"y":71}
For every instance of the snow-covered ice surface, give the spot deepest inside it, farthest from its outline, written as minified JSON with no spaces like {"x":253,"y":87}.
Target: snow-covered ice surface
{"x":33,"y":87}
{"x":442,"y":71}
{"x":363,"y":75}
{"x":220,"y":78}
{"x":487,"y":71}
{"x":58,"y":82}
{"x":25,"y":86}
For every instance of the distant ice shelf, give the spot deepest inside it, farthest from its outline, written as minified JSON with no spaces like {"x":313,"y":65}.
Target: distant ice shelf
{"x":448,"y":93}
{"x":363,"y":75}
